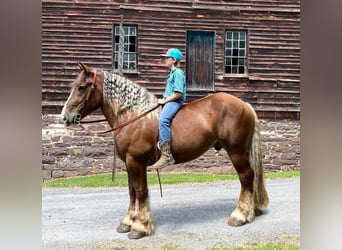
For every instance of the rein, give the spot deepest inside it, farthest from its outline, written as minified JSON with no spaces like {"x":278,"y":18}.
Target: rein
{"x":94,"y":121}
{"x":121,"y":125}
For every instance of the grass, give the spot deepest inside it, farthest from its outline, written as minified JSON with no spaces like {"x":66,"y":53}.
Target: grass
{"x":267,"y":246}
{"x":261,"y":246}
{"x":105,"y":180}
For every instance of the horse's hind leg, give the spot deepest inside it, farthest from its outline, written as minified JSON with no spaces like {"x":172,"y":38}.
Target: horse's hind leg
{"x":244,"y":211}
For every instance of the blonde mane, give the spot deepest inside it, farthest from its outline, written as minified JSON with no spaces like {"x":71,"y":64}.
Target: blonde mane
{"x":125,"y":96}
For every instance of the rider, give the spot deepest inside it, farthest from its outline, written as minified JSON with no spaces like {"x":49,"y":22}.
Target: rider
{"x":173,"y":99}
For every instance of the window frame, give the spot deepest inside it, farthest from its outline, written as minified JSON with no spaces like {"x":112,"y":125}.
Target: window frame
{"x":114,"y":51}
{"x":246,"y":58}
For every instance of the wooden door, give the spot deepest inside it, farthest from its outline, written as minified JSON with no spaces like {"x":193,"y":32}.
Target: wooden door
{"x":200,"y":59}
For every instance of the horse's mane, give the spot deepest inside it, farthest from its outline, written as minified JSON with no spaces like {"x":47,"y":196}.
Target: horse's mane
{"x":124,"y":95}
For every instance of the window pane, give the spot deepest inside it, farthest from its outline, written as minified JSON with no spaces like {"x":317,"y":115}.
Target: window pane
{"x":241,"y":52}
{"x":234,"y":61}
{"x":241,"y":70}
{"x":132,"y":39}
{"x":235,"y":52}
{"x":133,"y":32}
{"x":235,"y":35}
{"x":131,"y":66}
{"x":132,"y":48}
{"x":229,"y":35}
{"x":235,"y":44}
{"x":132,"y":57}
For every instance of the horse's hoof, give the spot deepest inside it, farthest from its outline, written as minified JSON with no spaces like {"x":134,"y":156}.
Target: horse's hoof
{"x":235,"y":222}
{"x":134,"y":235}
{"x":122,"y":228}
{"x":258,"y":212}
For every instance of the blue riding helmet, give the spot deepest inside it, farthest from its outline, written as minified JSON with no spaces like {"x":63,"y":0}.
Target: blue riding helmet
{"x":174,"y":53}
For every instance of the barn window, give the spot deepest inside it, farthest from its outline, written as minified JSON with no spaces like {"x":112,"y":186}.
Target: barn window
{"x":128,"y":47}
{"x":235,"y":59}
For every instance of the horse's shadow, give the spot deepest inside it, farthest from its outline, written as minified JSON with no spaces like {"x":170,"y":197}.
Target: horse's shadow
{"x":192,"y":212}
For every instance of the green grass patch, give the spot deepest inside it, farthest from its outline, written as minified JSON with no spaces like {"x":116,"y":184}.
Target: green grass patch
{"x":264,"y":246}
{"x":267,"y":246}
{"x":105,"y":180}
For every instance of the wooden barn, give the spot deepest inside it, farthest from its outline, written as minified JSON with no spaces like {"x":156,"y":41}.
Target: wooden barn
{"x":250,"y":49}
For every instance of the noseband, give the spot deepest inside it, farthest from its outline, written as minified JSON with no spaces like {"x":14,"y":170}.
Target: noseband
{"x":77,"y":118}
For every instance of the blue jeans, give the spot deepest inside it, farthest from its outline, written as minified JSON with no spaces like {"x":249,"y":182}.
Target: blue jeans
{"x":168,"y":112}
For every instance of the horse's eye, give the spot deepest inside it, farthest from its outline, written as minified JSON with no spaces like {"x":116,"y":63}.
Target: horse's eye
{"x":82,"y":88}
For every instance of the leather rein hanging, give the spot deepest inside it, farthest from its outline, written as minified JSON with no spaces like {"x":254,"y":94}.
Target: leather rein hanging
{"x":122,"y":124}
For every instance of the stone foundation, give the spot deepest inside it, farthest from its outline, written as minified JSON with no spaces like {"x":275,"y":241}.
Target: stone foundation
{"x":67,"y":152}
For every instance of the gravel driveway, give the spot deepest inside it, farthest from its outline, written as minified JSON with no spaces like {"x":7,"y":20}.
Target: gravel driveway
{"x":192,"y":216}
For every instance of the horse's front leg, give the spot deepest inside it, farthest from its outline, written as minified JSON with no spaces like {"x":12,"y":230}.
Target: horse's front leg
{"x":127,"y":222}
{"x":143,"y":224}
{"x":245,"y":209}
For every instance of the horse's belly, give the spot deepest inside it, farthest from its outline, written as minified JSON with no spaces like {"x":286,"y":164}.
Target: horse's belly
{"x":187,"y":150}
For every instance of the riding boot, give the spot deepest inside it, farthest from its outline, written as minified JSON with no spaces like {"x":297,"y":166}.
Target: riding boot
{"x":166,"y":157}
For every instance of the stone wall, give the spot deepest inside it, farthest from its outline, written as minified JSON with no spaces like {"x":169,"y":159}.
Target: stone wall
{"x":75,"y":152}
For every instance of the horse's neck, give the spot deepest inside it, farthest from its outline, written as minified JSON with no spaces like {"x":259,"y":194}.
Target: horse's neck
{"x":124,"y":97}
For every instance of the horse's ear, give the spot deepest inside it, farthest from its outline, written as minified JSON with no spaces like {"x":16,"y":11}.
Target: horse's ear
{"x":85,"y":68}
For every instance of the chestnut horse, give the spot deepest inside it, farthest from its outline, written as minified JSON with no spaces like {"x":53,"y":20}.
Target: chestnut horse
{"x":217,"y":119}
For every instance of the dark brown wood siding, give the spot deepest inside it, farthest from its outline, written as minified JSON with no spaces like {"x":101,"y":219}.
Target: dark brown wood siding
{"x":80,"y":30}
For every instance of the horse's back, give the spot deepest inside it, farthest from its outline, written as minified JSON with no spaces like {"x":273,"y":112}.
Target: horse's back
{"x":217,"y":105}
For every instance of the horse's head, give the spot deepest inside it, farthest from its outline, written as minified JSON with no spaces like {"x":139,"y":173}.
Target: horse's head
{"x":84,"y":98}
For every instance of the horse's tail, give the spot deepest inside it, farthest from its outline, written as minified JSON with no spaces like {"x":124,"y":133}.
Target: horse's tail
{"x":255,"y":159}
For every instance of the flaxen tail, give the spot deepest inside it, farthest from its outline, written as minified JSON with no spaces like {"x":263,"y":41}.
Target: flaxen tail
{"x":255,"y":159}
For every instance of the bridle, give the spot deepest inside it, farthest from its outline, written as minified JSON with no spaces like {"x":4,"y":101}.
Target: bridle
{"x":86,"y":98}
{"x":84,"y":101}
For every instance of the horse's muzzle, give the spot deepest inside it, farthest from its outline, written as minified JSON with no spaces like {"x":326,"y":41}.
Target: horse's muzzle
{"x":72,"y":120}
{"x":77,"y":118}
